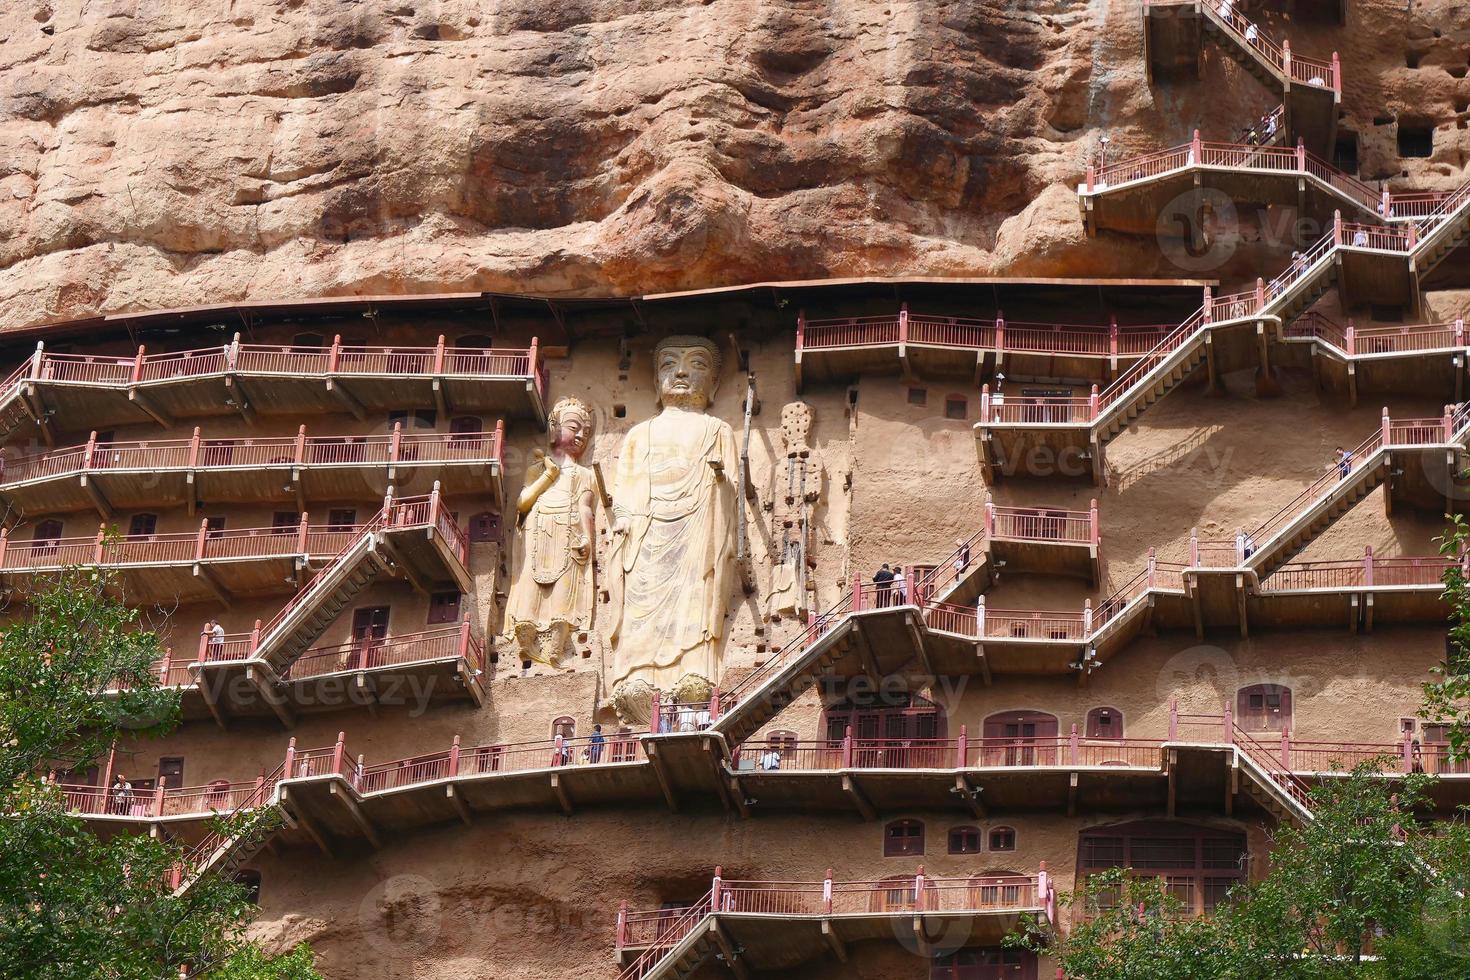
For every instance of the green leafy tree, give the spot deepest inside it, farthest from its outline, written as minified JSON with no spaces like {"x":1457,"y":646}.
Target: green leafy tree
{"x":1361,"y":891}
{"x":75,"y":675}
{"x":1447,"y":696}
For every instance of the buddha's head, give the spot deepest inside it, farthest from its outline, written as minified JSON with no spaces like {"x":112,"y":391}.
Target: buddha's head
{"x":687,"y":370}
{"x":569,"y":426}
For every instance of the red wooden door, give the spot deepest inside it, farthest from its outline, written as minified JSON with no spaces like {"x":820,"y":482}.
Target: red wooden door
{"x":1020,"y":738}
{"x":369,"y":628}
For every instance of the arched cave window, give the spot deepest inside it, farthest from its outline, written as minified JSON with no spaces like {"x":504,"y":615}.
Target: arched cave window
{"x":565,"y":726}
{"x":964,"y":840}
{"x":903,"y":838}
{"x":251,"y":881}
{"x":1104,"y":723}
{"x":1019,"y":738}
{"x":47,"y":536}
{"x":1002,"y":838}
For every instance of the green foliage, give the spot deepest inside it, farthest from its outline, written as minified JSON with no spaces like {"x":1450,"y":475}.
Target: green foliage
{"x":1447,"y":696}
{"x":1360,"y":892}
{"x":73,"y":643}
{"x":251,"y":964}
{"x":71,"y":905}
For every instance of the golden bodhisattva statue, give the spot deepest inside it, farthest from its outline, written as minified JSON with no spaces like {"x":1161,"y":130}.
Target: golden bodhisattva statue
{"x":673,"y":539}
{"x":552,"y":593}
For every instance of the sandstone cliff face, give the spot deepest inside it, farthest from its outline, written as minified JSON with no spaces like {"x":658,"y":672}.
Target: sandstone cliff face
{"x":176,"y":152}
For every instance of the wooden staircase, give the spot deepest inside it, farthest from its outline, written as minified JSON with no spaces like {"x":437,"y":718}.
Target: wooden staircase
{"x":1279,"y":793}
{"x":768,"y":700}
{"x":1446,"y":235}
{"x":13,"y":413}
{"x":1316,"y":517}
{"x":684,"y":959}
{"x":691,"y":940}
{"x":1162,"y":380}
{"x":1233,"y":46}
{"x":316,"y":607}
{"x":225,"y":853}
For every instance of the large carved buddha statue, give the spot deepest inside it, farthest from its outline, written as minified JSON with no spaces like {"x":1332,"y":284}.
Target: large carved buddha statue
{"x":552,"y":592}
{"x":673,"y":532}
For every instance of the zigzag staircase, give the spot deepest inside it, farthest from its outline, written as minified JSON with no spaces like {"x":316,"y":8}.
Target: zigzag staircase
{"x":1277,"y":790}
{"x":14,"y":411}
{"x":682,"y":947}
{"x":224,"y":853}
{"x":763,"y":693}
{"x":1284,"y":298}
{"x":303,"y":620}
{"x":1334,"y":494}
{"x":1445,"y":228}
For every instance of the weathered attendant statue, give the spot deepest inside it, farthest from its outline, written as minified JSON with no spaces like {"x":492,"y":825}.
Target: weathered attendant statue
{"x":551,"y":595}
{"x":673,"y":533}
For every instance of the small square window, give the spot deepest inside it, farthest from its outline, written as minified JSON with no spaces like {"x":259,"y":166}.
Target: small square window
{"x":620,"y":411}
{"x":956,"y":407}
{"x":918,"y":396}
{"x":1002,"y":839}
{"x":964,"y":840}
{"x":1258,"y":700}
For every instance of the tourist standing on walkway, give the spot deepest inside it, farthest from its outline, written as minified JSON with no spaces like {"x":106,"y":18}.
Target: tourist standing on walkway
{"x":122,"y":794}
{"x":884,"y":581}
{"x":900,"y":586}
{"x":1344,"y":462}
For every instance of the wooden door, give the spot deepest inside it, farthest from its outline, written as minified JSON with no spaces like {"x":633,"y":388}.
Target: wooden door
{"x":369,"y":629}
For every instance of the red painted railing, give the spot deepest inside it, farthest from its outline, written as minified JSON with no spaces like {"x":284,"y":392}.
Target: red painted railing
{"x":859,"y":596}
{"x":964,"y":333}
{"x":220,"y":796}
{"x":1369,"y":571}
{"x":49,"y":554}
{"x":1263,"y":159}
{"x":1085,"y":410}
{"x":400,"y":514}
{"x":204,"y":852}
{"x":280,"y":360}
{"x":1353,"y":340}
{"x":1295,"y":67}
{"x":302,"y":450}
{"x":1038,"y":524}
{"x":408,"y":513}
{"x":656,"y":932}
{"x":446,"y":643}
{"x":959,"y":752}
{"x":1392,"y":433}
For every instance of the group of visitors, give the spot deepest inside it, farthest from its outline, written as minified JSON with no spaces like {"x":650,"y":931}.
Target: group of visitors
{"x":892,"y":586}
{"x":1261,"y":131}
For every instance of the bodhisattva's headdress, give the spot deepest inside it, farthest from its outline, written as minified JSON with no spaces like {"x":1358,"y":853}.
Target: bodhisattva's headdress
{"x":564,"y":405}
{"x":690,"y":340}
